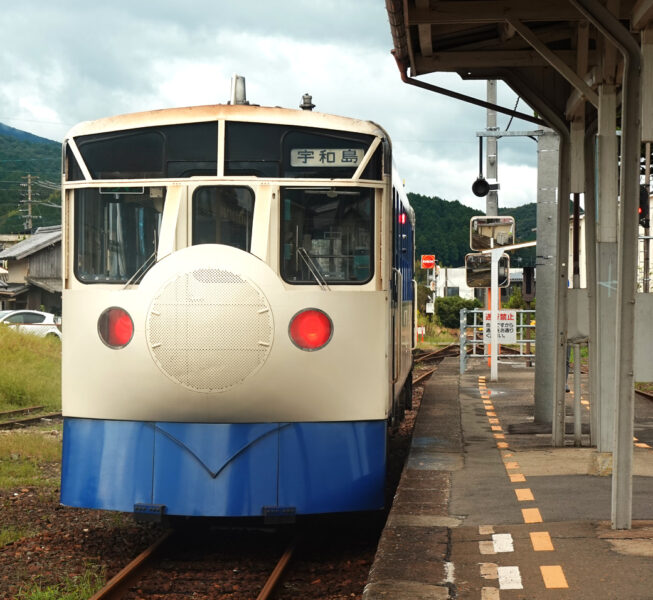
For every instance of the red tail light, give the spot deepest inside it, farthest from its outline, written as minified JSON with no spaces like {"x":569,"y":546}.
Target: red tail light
{"x":310,"y":329}
{"x":115,"y":327}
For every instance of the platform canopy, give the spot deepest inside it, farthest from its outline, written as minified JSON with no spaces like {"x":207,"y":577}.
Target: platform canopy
{"x":545,"y":50}
{"x":586,"y":68}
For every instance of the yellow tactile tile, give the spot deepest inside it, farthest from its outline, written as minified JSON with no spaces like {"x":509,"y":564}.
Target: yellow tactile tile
{"x":517,"y":478}
{"x":553,"y":576}
{"x":541,"y":541}
{"x":531,"y":515}
{"x":524,"y":494}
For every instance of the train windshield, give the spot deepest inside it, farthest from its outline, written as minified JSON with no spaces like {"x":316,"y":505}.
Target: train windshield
{"x":116,"y":231}
{"x":328,"y":230}
{"x":223,"y":215}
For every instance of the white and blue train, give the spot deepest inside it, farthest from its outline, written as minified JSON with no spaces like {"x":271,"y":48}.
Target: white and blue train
{"x":239,"y":311}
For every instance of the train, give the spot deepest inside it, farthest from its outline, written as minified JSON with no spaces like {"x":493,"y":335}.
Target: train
{"x":239,"y":309}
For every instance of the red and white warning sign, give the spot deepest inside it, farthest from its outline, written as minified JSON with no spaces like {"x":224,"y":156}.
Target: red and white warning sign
{"x":428,"y":261}
{"x":506,"y":326}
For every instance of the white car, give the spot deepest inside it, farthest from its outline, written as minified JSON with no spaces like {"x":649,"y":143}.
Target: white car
{"x":32,"y":321}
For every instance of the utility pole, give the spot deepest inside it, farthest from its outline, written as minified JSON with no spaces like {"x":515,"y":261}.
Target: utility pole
{"x":491,"y":166}
{"x":27,"y":224}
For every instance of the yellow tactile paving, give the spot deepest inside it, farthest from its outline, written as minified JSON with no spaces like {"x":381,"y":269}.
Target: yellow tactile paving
{"x":512,"y":465}
{"x":502,"y":445}
{"x":531,"y":515}
{"x":490,"y":413}
{"x":496,"y":428}
{"x":541,"y":541}
{"x":499,"y":436}
{"x":517,"y":478}
{"x":524,"y":494}
{"x":553,"y":576}
{"x":494,"y":421}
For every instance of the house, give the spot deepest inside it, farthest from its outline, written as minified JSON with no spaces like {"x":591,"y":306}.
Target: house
{"x":33,"y":278}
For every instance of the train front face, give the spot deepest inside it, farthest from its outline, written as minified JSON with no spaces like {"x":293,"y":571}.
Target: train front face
{"x":226,"y":347}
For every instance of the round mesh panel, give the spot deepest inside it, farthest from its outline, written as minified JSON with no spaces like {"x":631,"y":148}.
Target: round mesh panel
{"x":209,"y":329}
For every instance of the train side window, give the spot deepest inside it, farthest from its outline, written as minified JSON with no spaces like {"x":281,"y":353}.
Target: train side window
{"x":116,"y":232}
{"x":223,"y":215}
{"x":329,"y":231}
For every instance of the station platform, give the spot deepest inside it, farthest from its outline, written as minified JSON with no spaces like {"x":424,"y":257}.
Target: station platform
{"x":487,"y":509}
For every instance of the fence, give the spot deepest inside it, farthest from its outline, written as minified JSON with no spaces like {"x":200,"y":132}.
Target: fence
{"x":472,"y":334}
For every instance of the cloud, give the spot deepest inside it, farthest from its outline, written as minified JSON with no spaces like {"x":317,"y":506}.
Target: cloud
{"x":65,"y":63}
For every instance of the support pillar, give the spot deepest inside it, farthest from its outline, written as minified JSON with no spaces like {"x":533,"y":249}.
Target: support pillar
{"x":547,"y":235}
{"x":606,"y":265}
{"x":590,"y":271}
{"x":561,"y":284}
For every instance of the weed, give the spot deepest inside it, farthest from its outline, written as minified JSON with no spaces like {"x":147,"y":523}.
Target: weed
{"x":77,"y":587}
{"x":31,"y":371}
{"x":25,"y":456}
{"x":12,"y":534}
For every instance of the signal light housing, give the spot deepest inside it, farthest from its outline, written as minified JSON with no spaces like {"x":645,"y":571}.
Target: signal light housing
{"x":643,"y":211}
{"x":115,"y":327}
{"x":310,"y":329}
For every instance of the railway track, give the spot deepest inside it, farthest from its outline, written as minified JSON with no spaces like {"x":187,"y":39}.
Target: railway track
{"x":6,"y":422}
{"x":644,"y":394}
{"x":162,"y":566}
{"x":435,"y":356}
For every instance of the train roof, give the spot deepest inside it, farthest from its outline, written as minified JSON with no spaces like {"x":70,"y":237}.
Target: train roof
{"x":231,"y":112}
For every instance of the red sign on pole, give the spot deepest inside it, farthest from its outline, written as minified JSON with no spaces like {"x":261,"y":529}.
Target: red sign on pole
{"x":428,"y":261}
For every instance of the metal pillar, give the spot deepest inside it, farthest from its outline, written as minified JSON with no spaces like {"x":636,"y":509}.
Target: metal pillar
{"x":613,"y":30}
{"x":491,"y":166}
{"x":606,"y":257}
{"x":547,"y":234}
{"x":561,"y":284}
{"x":590,"y":271}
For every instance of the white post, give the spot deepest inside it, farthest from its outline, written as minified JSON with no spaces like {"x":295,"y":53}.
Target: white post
{"x":494,"y":313}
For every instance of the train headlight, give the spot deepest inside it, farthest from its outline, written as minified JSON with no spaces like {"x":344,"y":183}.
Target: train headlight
{"x":115,"y":327}
{"x":310,"y":329}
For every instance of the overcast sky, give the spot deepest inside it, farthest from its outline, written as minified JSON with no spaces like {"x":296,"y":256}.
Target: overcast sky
{"x":74,"y":60}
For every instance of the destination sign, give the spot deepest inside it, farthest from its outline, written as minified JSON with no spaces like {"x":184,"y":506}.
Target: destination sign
{"x":326,"y":157}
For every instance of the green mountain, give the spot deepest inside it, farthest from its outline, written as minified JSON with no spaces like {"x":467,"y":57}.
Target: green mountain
{"x":443,"y":229}
{"x":23,"y":154}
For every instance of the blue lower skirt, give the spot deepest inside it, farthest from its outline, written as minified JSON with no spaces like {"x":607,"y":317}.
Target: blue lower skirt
{"x":203,"y":469}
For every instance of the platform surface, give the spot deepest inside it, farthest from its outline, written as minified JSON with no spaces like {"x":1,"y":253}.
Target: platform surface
{"x":487,"y":509}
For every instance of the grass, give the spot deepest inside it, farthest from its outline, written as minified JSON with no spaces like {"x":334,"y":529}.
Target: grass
{"x":13,"y":534}
{"x":25,"y":457}
{"x":435,"y":334}
{"x":77,"y":587}
{"x":31,"y":371}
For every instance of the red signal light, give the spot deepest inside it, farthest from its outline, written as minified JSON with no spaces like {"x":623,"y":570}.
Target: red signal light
{"x":115,"y":327}
{"x":310,"y":329}
{"x":402,"y":218}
